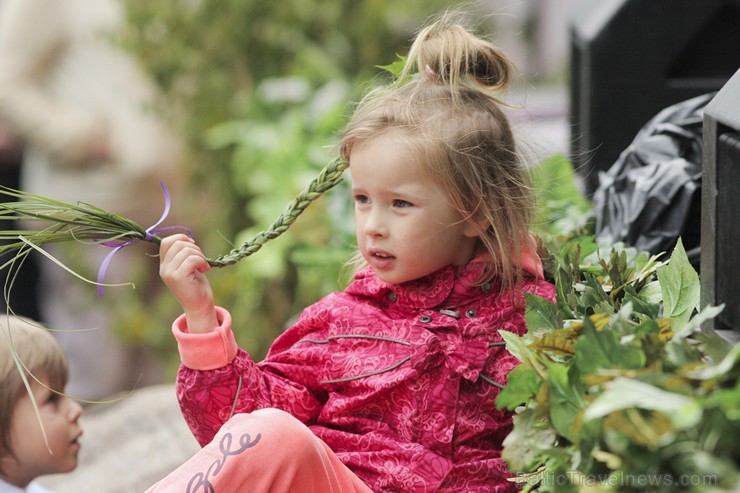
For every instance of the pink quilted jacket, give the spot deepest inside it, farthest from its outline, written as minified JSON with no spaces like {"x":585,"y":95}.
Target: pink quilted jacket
{"x":399,"y":380}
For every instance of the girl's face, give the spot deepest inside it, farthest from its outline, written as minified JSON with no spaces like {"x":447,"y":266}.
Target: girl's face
{"x":59,"y":416}
{"x":405,"y":225}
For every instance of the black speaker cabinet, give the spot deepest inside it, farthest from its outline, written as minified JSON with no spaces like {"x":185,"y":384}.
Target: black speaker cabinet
{"x":632,"y":58}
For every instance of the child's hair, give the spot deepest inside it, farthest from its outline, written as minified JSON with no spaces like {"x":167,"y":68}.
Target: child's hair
{"x":41,"y":355}
{"x":445,"y":104}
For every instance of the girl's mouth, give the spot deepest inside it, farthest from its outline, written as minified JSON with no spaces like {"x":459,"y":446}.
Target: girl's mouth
{"x":380,"y":254}
{"x":380,"y":260}
{"x":76,"y":439}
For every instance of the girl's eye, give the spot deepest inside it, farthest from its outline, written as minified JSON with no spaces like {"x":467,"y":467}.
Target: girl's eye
{"x":53,"y":399}
{"x":402,"y":203}
{"x":362,"y":199}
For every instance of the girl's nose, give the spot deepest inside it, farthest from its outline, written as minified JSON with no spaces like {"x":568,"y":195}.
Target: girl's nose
{"x":374,"y":225}
{"x":75,"y":409}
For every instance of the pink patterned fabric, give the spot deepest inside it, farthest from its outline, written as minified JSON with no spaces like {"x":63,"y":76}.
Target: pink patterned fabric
{"x":398,"y":380}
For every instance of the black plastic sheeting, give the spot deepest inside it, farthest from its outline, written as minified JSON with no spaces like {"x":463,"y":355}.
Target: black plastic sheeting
{"x":651,"y":195}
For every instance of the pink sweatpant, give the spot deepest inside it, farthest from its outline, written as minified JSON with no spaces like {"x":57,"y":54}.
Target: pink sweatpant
{"x":265,"y":451}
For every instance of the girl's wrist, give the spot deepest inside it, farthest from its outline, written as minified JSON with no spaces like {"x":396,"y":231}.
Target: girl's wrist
{"x":203,"y":321}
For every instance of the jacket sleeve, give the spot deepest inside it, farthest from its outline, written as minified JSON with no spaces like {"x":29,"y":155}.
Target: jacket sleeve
{"x":33,"y":33}
{"x":218,"y":379}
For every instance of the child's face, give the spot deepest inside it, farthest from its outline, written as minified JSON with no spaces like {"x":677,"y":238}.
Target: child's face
{"x":405,"y":225}
{"x":60,"y":417}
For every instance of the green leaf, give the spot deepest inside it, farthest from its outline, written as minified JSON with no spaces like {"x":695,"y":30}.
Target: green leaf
{"x":729,"y":366}
{"x":560,"y":342}
{"x":679,"y":353}
{"x":395,"y":68}
{"x":651,"y":293}
{"x":593,"y":297}
{"x":642,"y":306}
{"x":714,"y":346}
{"x":566,"y":399}
{"x":680,"y":285}
{"x":726,"y":399}
{"x":522,"y":384}
{"x":596,"y":350}
{"x":514,"y":344}
{"x":523,"y":447}
{"x":694,"y":324}
{"x":627,"y":393}
{"x":541,"y":313}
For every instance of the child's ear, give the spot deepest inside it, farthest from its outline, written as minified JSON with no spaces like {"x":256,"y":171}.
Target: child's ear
{"x":474,"y":227}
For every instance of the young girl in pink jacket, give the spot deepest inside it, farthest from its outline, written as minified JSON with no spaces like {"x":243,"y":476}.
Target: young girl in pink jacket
{"x":390,"y":385}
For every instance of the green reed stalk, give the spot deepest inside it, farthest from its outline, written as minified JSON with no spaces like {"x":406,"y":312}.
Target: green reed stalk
{"x":87,"y":223}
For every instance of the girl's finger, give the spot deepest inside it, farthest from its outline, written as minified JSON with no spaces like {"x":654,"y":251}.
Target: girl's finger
{"x":190,"y":259}
{"x":169,"y":241}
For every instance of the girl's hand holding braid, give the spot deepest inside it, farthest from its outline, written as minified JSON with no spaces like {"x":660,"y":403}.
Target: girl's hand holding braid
{"x":182,"y":267}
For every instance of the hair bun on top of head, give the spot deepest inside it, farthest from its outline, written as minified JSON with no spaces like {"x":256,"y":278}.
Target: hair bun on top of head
{"x":448,"y":52}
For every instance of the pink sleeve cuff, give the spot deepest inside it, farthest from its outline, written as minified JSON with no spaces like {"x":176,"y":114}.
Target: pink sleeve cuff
{"x":208,"y":351}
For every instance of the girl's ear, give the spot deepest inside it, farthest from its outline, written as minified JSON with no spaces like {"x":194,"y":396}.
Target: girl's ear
{"x":474,"y":227}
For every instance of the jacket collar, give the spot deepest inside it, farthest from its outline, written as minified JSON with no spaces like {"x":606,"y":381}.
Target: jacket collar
{"x":449,"y":287}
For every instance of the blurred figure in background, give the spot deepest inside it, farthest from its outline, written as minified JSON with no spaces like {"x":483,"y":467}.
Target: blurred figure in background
{"x":82,"y":106}
{"x":22,"y":297}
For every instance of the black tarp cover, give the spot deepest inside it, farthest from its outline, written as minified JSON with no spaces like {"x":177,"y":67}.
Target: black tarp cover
{"x":652,"y":194}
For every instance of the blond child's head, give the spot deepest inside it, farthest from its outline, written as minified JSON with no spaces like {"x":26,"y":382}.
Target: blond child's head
{"x":32,"y":444}
{"x":446,"y":106}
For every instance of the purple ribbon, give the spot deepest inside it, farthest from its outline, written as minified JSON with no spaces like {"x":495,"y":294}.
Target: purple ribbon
{"x":151,"y":231}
